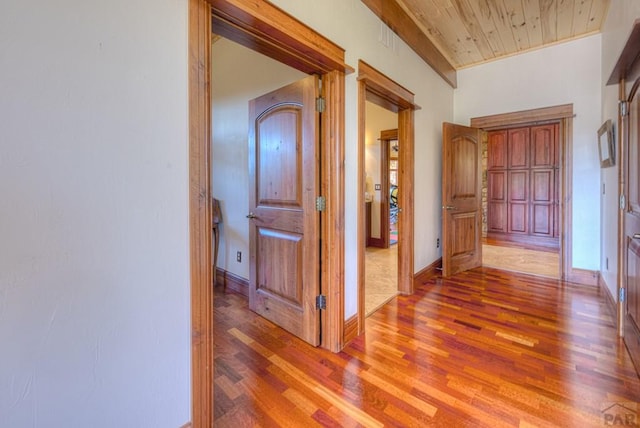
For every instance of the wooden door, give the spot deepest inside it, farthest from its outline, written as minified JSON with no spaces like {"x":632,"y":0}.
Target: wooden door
{"x":461,"y":198}
{"x":631,"y":305}
{"x":284,"y":224}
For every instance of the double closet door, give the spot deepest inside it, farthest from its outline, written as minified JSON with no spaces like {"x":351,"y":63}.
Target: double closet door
{"x":522,"y":185}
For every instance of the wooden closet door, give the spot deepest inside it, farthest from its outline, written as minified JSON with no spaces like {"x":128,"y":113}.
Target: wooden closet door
{"x":544,"y":162}
{"x":497,"y":182}
{"x":518,"y":181}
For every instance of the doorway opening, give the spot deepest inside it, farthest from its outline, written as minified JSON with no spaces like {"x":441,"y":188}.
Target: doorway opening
{"x":381,"y":206}
{"x":376,"y":88}
{"x":526,"y":182}
{"x":258,"y":26}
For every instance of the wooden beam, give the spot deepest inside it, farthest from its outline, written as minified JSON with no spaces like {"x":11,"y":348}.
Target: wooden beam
{"x":392,"y":14}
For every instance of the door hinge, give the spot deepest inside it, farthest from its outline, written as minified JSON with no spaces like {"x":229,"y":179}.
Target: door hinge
{"x":321,"y":302}
{"x":621,"y":297}
{"x":624,"y":108}
{"x":623,"y":202}
{"x":320,"y":104}
{"x":321,"y":203}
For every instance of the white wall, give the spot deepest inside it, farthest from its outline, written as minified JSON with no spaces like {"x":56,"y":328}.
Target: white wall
{"x":561,"y":74}
{"x":238,"y":75}
{"x":377,"y":119}
{"x":350,"y":24}
{"x":615,"y":33}
{"x":94,"y":255}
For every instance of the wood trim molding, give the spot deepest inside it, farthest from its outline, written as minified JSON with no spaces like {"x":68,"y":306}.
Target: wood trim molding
{"x":394,"y":95}
{"x":265,"y":28}
{"x":566,"y":197}
{"x":628,"y":57}
{"x":531,"y":117}
{"x":405,"y":201}
{"x":187,"y":425}
{"x":428,"y":272}
{"x":391,"y":13}
{"x":350,"y":329}
{"x":333,"y":233}
{"x":583,"y":276}
{"x":360,"y":211}
{"x":200,"y":233}
{"x":232,"y":282}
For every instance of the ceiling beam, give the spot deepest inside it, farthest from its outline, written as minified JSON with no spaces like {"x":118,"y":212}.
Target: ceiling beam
{"x":392,"y":14}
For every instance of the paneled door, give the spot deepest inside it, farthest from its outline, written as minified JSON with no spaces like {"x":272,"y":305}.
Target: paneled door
{"x":283,"y":222}
{"x":461,"y":198}
{"x":632,"y":236}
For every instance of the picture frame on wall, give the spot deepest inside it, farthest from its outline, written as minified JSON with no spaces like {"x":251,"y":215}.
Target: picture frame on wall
{"x":606,"y":145}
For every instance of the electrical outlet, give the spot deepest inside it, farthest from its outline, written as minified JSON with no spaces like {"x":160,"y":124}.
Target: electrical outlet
{"x":239,"y":256}
{"x":378,"y":186}
{"x":437,"y":242}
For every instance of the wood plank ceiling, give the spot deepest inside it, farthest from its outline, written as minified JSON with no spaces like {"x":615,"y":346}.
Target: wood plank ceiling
{"x":470,"y":32}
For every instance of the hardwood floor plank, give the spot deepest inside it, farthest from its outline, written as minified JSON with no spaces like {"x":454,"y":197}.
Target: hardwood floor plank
{"x":484,"y":348}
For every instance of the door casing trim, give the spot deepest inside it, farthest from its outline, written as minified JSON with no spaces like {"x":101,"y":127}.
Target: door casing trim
{"x":259,"y":25}
{"x":383,"y":91}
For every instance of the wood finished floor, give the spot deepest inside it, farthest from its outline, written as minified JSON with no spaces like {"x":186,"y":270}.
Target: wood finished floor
{"x":484,"y":348}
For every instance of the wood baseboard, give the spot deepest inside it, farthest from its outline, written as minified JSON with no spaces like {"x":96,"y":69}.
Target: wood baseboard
{"x":232,"y":282}
{"x":350,"y":329}
{"x":427,"y":273}
{"x":187,"y":425}
{"x":609,"y":300}
{"x":583,"y":276}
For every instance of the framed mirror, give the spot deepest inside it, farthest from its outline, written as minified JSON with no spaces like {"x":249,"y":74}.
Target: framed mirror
{"x":605,"y":145}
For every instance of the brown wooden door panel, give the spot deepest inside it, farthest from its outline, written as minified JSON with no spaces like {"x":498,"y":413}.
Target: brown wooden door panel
{"x":497,"y":217}
{"x":518,"y":218}
{"x":497,"y":150}
{"x":542,"y":186}
{"x":497,"y":201}
{"x":461,"y":198}
{"x":544,"y":146}
{"x":518,"y":151}
{"x":542,"y":220}
{"x":518,"y":186}
{"x":284,"y":225}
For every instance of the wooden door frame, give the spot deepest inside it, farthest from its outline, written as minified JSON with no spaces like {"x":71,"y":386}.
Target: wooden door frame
{"x":562,"y":114}
{"x":626,"y":70}
{"x":375,"y":87}
{"x":267,"y":29}
{"x":386,"y":136}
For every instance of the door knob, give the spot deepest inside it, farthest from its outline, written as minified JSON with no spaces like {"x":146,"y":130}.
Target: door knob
{"x":252,"y":215}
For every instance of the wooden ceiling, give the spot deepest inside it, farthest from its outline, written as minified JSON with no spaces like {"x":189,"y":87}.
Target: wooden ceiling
{"x":470,"y":32}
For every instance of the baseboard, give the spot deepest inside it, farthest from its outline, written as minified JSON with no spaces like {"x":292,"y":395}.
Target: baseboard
{"x":427,"y":273}
{"x":583,"y":276}
{"x":350,"y":329}
{"x":187,"y":425}
{"x":232,"y":282}
{"x":609,"y":300}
